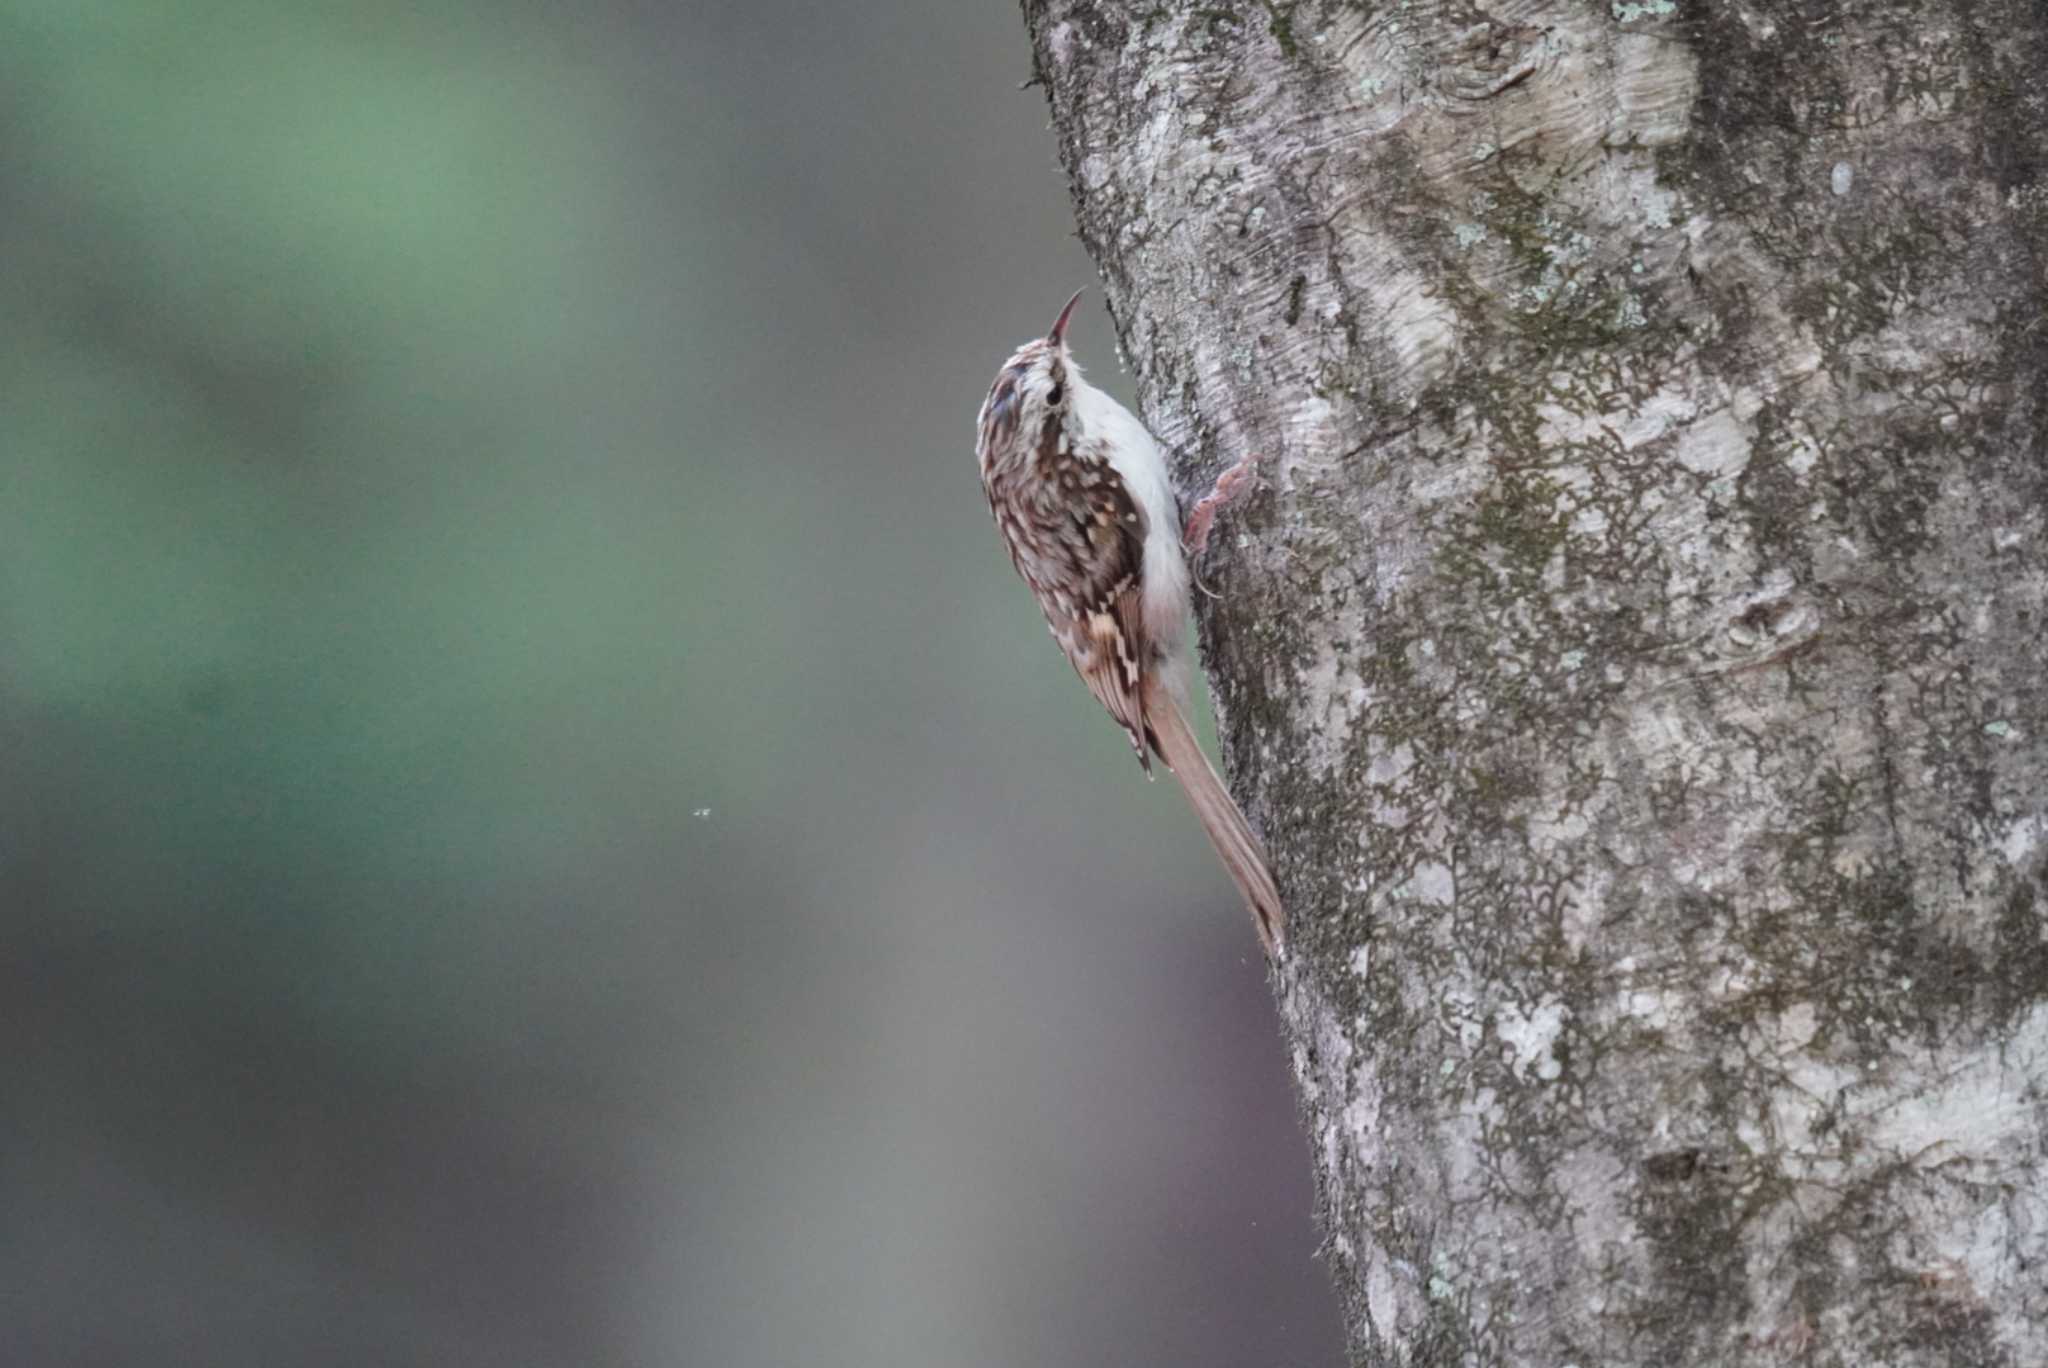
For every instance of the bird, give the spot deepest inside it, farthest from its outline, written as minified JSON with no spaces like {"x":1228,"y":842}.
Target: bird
{"x":1082,"y":497}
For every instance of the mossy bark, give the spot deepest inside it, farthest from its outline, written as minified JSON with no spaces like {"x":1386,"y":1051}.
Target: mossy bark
{"x":1636,"y":659}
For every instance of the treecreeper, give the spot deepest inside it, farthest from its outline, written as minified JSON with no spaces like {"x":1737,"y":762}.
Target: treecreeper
{"x":1081,"y":494}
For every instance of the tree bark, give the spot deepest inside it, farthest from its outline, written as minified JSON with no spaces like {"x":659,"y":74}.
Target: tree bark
{"x":1635,"y":660}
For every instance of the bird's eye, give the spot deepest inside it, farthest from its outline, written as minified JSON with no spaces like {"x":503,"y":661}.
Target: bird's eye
{"x":1054,"y":394}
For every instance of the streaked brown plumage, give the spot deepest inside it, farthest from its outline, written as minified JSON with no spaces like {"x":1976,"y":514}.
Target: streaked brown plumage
{"x":1081,"y":495}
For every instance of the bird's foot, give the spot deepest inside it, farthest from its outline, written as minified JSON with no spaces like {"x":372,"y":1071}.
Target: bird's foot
{"x":1230,"y":486}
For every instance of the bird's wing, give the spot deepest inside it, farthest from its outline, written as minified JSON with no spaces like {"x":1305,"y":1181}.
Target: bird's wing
{"x":1077,"y":537}
{"x":1101,"y":622}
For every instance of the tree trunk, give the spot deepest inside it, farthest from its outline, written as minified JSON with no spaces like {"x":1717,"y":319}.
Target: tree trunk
{"x":1635,"y":660}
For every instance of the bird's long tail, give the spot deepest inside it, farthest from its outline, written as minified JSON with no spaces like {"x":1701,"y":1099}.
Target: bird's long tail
{"x":1242,"y":853}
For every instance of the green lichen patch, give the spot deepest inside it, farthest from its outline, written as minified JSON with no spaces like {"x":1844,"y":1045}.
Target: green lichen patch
{"x":1280,"y":23}
{"x":2019,"y":979}
{"x":1694,"y":1230}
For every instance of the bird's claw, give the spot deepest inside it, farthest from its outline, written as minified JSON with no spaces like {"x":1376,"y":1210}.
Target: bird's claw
{"x":1230,"y":486}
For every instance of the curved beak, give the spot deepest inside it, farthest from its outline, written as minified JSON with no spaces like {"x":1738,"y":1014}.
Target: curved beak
{"x":1058,"y":335}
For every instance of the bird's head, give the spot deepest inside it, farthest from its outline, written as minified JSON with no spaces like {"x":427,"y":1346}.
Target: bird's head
{"x":1031,"y":401}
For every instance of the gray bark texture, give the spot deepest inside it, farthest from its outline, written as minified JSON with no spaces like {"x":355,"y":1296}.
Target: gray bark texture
{"x":1635,"y":658}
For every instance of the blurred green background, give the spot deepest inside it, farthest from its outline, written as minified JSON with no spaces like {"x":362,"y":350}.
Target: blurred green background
{"x":536,"y":824}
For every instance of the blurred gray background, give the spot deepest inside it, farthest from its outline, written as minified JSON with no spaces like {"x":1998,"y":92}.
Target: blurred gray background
{"x":536,"y":824}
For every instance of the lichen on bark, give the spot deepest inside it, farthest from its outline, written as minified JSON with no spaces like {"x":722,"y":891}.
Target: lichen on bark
{"x":1636,"y":662}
